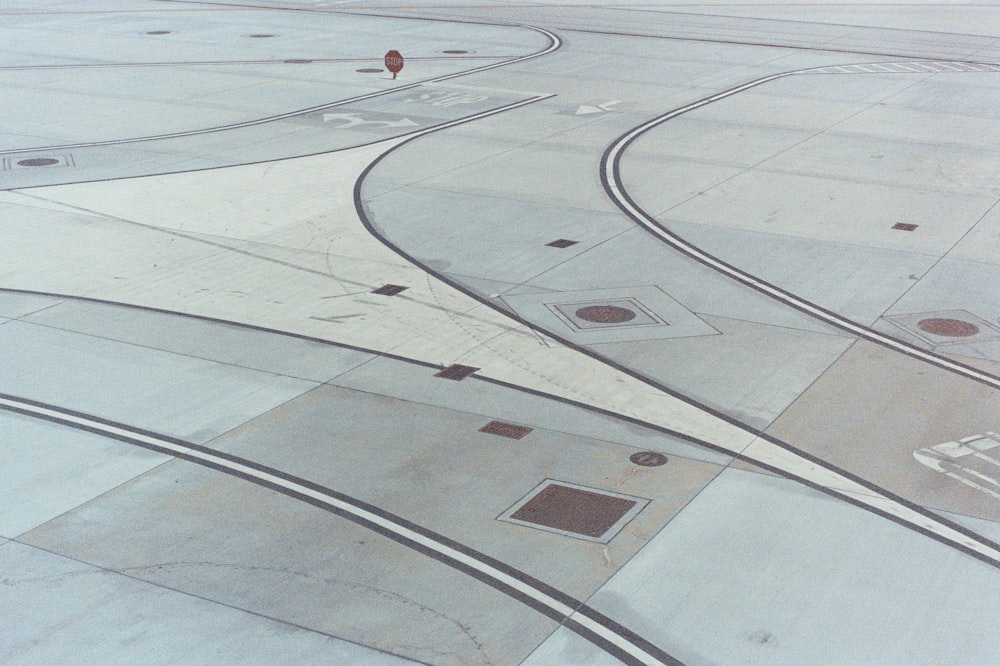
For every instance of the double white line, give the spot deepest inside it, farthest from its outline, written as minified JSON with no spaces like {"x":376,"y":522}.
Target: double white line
{"x":611,"y":177}
{"x":562,"y":608}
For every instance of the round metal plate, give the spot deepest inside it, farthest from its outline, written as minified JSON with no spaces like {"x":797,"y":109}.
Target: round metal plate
{"x":648,"y":459}
{"x":949,"y":328}
{"x":605,"y":314}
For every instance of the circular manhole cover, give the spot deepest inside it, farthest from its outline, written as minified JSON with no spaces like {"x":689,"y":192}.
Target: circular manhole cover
{"x":261,"y":36}
{"x":648,"y":459}
{"x":949,"y":328}
{"x":454,"y":51}
{"x":370,"y":70}
{"x":158,"y":32}
{"x":38,"y":162}
{"x":605,"y":314}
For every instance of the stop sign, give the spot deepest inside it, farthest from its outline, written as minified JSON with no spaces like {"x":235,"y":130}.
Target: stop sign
{"x":393,"y":62}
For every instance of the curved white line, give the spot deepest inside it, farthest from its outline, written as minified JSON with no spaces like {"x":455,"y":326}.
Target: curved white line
{"x":217,"y":460}
{"x":555,"y":43}
{"x":617,"y":192}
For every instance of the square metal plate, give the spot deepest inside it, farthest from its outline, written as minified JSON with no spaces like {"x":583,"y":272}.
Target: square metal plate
{"x":576,"y":511}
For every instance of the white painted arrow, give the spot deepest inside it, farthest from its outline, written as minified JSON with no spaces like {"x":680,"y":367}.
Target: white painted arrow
{"x":600,"y":108}
{"x":349,"y":120}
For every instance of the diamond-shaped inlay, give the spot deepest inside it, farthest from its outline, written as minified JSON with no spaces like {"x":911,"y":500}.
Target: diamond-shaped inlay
{"x":620,"y":314}
{"x":946,"y":327}
{"x":576,"y":511}
{"x":562,"y":243}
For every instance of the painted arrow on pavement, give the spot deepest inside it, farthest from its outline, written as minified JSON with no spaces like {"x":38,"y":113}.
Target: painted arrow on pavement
{"x":349,"y":120}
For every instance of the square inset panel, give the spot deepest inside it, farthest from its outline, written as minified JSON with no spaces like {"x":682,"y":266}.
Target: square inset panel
{"x":595,"y":316}
{"x":36,"y":161}
{"x":905,"y":226}
{"x":605,"y":313}
{"x":946,"y":327}
{"x":575,"y":511}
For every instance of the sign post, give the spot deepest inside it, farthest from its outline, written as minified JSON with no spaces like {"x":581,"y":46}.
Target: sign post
{"x":394,"y":62}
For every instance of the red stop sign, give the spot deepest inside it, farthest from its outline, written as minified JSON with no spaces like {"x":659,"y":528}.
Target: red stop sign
{"x":393,"y":61}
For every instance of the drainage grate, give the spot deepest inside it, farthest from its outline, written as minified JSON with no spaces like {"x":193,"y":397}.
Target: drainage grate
{"x":904,"y":226}
{"x":562,"y":243}
{"x":503,"y":429}
{"x":298,"y":61}
{"x":390,"y":290}
{"x":456,"y":372}
{"x":648,"y":459}
{"x":577,"y":511}
{"x":369,"y":70}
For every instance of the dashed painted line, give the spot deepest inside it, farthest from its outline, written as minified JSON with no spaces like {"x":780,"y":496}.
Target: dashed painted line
{"x":572,"y":613}
{"x":617,"y":192}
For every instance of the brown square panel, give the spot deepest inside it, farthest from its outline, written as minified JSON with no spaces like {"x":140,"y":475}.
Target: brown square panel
{"x":505,"y":429}
{"x":571,"y":510}
{"x":905,"y":226}
{"x":456,"y":372}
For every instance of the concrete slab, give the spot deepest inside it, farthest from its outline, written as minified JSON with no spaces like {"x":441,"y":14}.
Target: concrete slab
{"x":57,"y":609}
{"x":760,"y":571}
{"x":15,"y":305}
{"x":50,"y":469}
{"x":749,"y":371}
{"x":222,"y":343}
{"x":289,"y":562}
{"x":871,"y":411}
{"x":278,"y":246}
{"x":385,"y":451}
{"x":413,"y":383}
{"x":860,"y":283}
{"x":855,"y":212}
{"x":170,"y":393}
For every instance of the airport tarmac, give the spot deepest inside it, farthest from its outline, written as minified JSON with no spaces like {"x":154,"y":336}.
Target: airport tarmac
{"x":645,"y":333}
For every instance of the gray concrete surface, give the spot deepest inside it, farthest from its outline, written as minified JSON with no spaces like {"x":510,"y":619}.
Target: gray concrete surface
{"x":219,"y":446}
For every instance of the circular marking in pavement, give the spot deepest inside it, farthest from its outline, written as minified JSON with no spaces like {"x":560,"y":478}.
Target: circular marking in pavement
{"x":455,"y":51}
{"x":648,"y":459}
{"x":605,"y":314}
{"x":369,"y":70}
{"x":948,"y":328}
{"x":37,"y":162}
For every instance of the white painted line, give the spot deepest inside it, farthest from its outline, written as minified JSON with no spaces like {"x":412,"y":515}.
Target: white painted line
{"x":617,"y":193}
{"x":384,"y":523}
{"x":555,"y":44}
